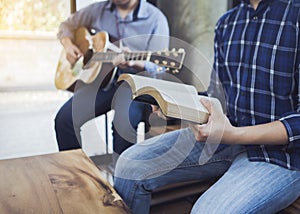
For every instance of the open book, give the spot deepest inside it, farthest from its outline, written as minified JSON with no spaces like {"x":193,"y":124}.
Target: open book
{"x":175,"y":100}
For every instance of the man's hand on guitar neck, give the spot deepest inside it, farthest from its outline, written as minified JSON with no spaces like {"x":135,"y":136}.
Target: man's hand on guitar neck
{"x":122,"y":63}
{"x":72,"y":51}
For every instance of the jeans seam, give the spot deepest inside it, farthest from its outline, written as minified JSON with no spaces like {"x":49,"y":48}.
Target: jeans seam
{"x":133,"y":190}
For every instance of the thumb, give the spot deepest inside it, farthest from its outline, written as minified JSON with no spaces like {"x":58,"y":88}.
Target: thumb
{"x":207,"y":104}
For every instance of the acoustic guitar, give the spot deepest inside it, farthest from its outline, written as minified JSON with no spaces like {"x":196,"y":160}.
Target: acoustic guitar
{"x":97,"y":61}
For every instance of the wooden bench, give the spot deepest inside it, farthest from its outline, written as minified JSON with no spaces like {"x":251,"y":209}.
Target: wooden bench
{"x":65,"y":182}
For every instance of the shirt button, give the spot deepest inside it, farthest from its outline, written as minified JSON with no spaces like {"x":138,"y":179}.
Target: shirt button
{"x":255,"y":17}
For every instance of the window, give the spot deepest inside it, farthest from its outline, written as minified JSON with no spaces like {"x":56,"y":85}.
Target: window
{"x":18,"y":14}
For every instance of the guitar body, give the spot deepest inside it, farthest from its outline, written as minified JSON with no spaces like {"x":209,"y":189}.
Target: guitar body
{"x":67,"y":74}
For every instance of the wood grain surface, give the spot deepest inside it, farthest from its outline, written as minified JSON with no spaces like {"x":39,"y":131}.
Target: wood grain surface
{"x":65,"y":182}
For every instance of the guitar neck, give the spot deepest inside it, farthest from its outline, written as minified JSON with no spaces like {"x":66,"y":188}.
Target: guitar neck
{"x":169,"y":59}
{"x":109,"y":56}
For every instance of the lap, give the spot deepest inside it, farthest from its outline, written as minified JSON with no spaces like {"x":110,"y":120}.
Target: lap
{"x":251,"y":187}
{"x":173,"y":157}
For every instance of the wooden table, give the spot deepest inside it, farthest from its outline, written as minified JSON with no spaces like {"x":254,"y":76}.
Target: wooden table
{"x":65,"y":182}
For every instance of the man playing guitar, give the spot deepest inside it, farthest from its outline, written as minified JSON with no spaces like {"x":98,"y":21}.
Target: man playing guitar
{"x":135,"y":22}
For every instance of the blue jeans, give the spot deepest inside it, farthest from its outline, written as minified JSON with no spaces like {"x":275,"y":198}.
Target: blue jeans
{"x":244,"y":186}
{"x":89,"y":102}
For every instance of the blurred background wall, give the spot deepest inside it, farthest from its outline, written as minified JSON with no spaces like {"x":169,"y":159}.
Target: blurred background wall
{"x":193,"y":22}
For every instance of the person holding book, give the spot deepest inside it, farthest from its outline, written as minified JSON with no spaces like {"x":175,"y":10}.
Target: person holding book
{"x":123,"y":20}
{"x":254,"y":148}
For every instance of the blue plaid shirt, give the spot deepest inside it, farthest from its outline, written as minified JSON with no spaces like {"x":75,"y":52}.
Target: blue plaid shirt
{"x":257,"y":61}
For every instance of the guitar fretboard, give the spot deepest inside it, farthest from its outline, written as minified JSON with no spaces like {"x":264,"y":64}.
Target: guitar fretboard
{"x":108,"y":57}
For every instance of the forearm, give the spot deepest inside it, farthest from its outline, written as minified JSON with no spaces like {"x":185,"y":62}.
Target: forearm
{"x":273,"y":133}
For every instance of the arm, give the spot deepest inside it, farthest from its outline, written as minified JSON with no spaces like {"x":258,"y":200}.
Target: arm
{"x":291,"y":120}
{"x":72,"y":51}
{"x":219,"y":127}
{"x":65,"y":34}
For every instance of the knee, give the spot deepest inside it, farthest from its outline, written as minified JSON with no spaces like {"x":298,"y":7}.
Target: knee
{"x":136,"y":163}
{"x":128,"y":167}
{"x":131,"y":190}
{"x":122,"y":186}
{"x":131,"y":183}
{"x":125,"y":181}
{"x":58,"y":120}
{"x":61,"y":119}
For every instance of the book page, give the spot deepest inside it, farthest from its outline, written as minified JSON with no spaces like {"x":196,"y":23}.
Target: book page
{"x":172,"y":92}
{"x":164,"y":86}
{"x":186,"y":100}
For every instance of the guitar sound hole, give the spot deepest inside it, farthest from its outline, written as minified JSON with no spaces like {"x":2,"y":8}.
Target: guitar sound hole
{"x":87,"y":56}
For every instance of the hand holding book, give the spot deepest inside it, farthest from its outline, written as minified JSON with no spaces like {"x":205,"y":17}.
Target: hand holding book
{"x":218,"y":128}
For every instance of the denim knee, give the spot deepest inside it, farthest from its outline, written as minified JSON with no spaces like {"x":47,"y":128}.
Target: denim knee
{"x":60,"y":120}
{"x":135,"y":194}
{"x":65,"y":131}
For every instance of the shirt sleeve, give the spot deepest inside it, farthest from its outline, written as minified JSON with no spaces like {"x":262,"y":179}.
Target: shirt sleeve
{"x":82,"y":17}
{"x":151,"y":67}
{"x":291,"y":120}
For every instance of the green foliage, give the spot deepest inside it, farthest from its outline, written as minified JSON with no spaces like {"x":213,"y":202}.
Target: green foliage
{"x":32,"y":15}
